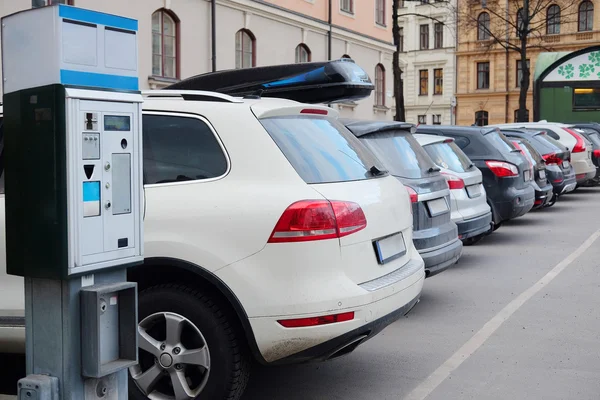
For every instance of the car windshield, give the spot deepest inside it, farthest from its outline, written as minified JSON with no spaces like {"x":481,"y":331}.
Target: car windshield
{"x":499,"y":141}
{"x":401,"y":153}
{"x":321,"y":150}
{"x":556,"y":145}
{"x":449,"y":156}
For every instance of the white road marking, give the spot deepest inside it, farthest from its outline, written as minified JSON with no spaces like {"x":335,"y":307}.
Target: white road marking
{"x":441,"y":374}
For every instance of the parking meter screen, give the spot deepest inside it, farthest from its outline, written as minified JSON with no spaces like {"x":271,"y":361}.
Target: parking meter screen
{"x":118,"y":123}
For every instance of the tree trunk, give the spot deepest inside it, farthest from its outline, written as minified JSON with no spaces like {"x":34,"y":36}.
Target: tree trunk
{"x":523,"y":34}
{"x":397,"y":71}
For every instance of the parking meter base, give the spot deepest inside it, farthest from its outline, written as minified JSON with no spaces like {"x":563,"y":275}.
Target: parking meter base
{"x":38,"y":387}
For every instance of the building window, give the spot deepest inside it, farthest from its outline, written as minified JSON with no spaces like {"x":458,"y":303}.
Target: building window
{"x":483,"y":26}
{"x":586,"y":16}
{"x":520,"y":22}
{"x":401,"y":40}
{"x":347,"y":6}
{"x":302,"y":53}
{"x":438,"y":81}
{"x":346,"y":56}
{"x":438,"y":41}
{"x":481,"y":118}
{"x":379,"y":85}
{"x":402,"y":5}
{"x":44,"y":3}
{"x":553,"y":20}
{"x":517,"y":116}
{"x":520,"y":72}
{"x":483,"y":75}
{"x":165,"y":44}
{"x":422,"y":119}
{"x":423,"y":82}
{"x":585,"y":99}
{"x":245,"y":49}
{"x":424,"y":2}
{"x":424,"y":29}
{"x":380,"y":12}
{"x":436,"y":119}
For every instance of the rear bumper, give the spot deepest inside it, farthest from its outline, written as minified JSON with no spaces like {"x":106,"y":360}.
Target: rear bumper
{"x":441,"y":258}
{"x":583,"y":178}
{"x":475,"y":226}
{"x":543,"y":196}
{"x":516,"y":204}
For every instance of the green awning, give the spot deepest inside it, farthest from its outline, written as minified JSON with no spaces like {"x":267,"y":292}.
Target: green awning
{"x":544,"y":60}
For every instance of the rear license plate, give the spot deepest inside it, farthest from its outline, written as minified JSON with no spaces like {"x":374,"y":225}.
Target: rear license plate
{"x":390,"y":248}
{"x":474,"y":190}
{"x":437,"y":207}
{"x":542,"y":174}
{"x":565,"y":164}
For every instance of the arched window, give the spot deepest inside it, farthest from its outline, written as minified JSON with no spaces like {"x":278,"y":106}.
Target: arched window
{"x":302,"y":53}
{"x":553,"y":20}
{"x":245,"y":49}
{"x":481,"y":118}
{"x":346,"y":56}
{"x":379,"y":85}
{"x":586,"y":16}
{"x":165,"y":44}
{"x":483,"y":26}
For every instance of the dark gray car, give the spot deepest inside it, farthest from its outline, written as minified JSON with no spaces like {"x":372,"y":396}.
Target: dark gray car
{"x":434,"y":234}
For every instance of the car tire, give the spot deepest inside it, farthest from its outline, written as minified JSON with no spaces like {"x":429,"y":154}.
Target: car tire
{"x":187,"y":322}
{"x":472,"y":240}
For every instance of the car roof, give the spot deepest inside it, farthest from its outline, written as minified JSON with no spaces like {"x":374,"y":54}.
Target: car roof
{"x":533,"y":124}
{"x":362,"y":127}
{"x":425,"y":139}
{"x":457,"y":129}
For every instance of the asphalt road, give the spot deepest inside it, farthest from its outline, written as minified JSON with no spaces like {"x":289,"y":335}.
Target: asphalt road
{"x":516,"y":318}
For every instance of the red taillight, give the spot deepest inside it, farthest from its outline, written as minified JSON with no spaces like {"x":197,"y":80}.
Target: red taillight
{"x":454,"y":182}
{"x":597,"y":153}
{"x":580,"y":145}
{"x":412,"y":194}
{"x":314,"y":321}
{"x":502,"y":169}
{"x":552,"y":158}
{"x":318,"y":220}
{"x":448,"y":140}
{"x":314,"y":111}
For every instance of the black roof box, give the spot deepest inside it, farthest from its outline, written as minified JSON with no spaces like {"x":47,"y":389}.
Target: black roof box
{"x":314,"y":82}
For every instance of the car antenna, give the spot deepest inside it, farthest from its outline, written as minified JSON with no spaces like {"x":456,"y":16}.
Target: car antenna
{"x":255,"y":95}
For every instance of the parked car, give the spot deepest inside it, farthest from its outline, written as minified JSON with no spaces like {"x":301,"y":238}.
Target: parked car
{"x":285,"y":241}
{"x":506,"y":172}
{"x":559,"y":170}
{"x":592,"y":133}
{"x":581,"y":149}
{"x":434,"y":234}
{"x":470,"y":211}
{"x":541,"y":185}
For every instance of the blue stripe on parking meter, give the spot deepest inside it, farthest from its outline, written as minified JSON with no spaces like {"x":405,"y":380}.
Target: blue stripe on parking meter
{"x":91,"y":199}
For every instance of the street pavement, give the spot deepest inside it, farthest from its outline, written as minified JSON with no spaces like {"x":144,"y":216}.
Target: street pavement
{"x":515,"y":319}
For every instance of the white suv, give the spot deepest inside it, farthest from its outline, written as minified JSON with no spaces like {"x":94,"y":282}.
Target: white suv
{"x":270,"y":232}
{"x":580,"y":148}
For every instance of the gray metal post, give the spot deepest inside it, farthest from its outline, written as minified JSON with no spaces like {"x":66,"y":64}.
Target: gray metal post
{"x":53,"y":331}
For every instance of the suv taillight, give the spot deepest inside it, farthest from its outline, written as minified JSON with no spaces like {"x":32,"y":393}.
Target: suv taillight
{"x":454,"y":182}
{"x":597,"y":153}
{"x":502,"y":169}
{"x":412,"y":195}
{"x":580,"y":144}
{"x":552,"y":159}
{"x":309,"y":220}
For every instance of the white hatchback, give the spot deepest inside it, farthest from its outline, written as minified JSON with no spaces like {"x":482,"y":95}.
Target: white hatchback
{"x":270,"y":232}
{"x":470,"y":211}
{"x":581,"y":149}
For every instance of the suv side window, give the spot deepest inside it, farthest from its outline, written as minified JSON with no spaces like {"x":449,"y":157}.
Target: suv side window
{"x":551,"y":133}
{"x":179,"y":148}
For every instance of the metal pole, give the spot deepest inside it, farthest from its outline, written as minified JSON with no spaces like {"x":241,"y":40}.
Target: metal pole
{"x":329,"y":33}
{"x":213,"y":16}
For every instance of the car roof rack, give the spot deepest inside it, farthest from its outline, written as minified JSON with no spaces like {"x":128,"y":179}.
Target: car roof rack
{"x":193,"y":95}
{"x":315,"y":82}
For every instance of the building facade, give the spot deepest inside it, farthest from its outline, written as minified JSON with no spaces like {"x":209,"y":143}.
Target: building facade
{"x":175,"y":38}
{"x":428,"y":31}
{"x":488,"y":82}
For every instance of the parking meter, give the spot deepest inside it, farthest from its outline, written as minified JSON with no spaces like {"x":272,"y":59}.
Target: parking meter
{"x":74,"y":196}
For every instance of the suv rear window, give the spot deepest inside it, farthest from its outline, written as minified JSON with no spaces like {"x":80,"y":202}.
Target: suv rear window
{"x":321,"y":150}
{"x":449,"y":156}
{"x":555,"y":144}
{"x":400,"y":152}
{"x":530,"y":151}
{"x":499,"y":141}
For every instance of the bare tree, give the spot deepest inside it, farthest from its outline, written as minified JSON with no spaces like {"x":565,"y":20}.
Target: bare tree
{"x":397,"y":70}
{"x":518,"y":25}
